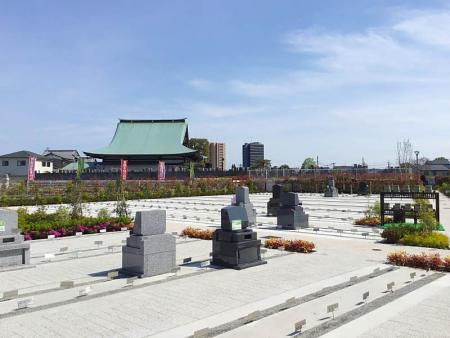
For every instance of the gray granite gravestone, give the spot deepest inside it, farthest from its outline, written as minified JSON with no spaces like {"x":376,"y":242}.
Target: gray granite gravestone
{"x":274,"y":203}
{"x":331,"y":190}
{"x":291,"y":214}
{"x":13,"y":250}
{"x":149,"y":251}
{"x":243,"y":200}
{"x":234,"y":245}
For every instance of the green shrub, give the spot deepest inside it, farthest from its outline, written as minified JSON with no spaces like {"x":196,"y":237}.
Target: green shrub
{"x":103,"y":214}
{"x":432,"y":240}
{"x":395,"y":232}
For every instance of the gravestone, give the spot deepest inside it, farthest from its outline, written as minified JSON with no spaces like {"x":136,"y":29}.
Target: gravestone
{"x":234,"y":245}
{"x":149,"y":251}
{"x":291,"y":214}
{"x":331,"y":190}
{"x":13,"y":250}
{"x":274,"y":203}
{"x":243,"y":200}
{"x":363,"y":188}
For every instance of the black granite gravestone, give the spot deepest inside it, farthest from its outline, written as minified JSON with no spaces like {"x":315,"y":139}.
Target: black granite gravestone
{"x":291,"y":214}
{"x":234,"y":245}
{"x":274,"y":203}
{"x":363,"y":188}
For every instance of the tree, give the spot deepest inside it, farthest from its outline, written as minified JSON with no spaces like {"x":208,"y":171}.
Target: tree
{"x":76,"y":202}
{"x":262,"y":164}
{"x":284,"y":166}
{"x":404,"y":154}
{"x":202,"y":145}
{"x":309,"y":163}
{"x":121,"y":202}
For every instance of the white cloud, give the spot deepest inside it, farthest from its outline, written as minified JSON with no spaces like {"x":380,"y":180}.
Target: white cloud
{"x":200,"y":83}
{"x":353,"y":94}
{"x":427,"y":27}
{"x":219,"y":111}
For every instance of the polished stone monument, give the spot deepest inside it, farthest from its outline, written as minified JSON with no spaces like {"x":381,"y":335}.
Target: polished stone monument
{"x":363,"y":189}
{"x":291,"y":214}
{"x":274,"y":203}
{"x":243,"y":200}
{"x":234,"y":245}
{"x":331,"y":190}
{"x":149,"y":250}
{"x":13,"y":250}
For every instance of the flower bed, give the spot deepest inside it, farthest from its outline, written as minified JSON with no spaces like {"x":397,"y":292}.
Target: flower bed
{"x":296,"y":245}
{"x":422,"y":261}
{"x":198,"y":233}
{"x":40,"y":224}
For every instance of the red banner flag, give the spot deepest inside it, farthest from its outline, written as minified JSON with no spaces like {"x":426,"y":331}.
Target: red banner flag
{"x":161,"y":171}
{"x":31,"y":168}
{"x":124,"y":169}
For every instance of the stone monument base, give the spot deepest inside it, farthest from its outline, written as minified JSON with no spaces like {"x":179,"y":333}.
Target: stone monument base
{"x":236,"y":250}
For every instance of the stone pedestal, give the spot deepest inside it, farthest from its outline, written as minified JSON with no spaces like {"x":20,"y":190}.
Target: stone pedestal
{"x":274,"y":203}
{"x":13,"y":250}
{"x":149,"y":250}
{"x":243,"y":200}
{"x":291,"y":214}
{"x":331,"y":190}
{"x":235,"y":246}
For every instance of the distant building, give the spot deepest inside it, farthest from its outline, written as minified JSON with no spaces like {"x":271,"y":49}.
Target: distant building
{"x":16,"y":164}
{"x":61,"y":158}
{"x":217,"y":156}
{"x":145,"y":142}
{"x":436,"y":168}
{"x":252,"y":153}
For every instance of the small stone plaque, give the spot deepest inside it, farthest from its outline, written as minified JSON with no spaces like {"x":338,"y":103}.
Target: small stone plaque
{"x":299,"y":325}
{"x":67,"y":284}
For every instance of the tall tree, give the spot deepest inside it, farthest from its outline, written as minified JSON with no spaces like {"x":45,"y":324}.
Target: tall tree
{"x":404,"y":154}
{"x":309,"y":163}
{"x":263,"y":164}
{"x":202,"y":145}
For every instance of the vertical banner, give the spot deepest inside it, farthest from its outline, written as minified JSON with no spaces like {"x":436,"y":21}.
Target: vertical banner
{"x":161,"y":171}
{"x":80,"y":167}
{"x":124,"y":169}
{"x":31,"y":168}
{"x":191,"y":170}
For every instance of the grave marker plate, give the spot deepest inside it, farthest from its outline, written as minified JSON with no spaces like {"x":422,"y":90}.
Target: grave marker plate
{"x":11,"y":294}
{"x":299,"y":325}
{"x":67,"y":284}
{"x":24,"y":303}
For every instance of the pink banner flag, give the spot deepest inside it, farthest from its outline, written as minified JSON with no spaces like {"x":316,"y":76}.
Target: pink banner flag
{"x":161,"y":171}
{"x":31,"y":168}
{"x":124,"y":169}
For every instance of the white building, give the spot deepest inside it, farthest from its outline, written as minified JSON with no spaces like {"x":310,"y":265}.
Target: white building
{"x":16,"y":164}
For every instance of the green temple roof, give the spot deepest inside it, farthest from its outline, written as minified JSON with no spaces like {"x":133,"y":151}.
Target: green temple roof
{"x":147,"y":138}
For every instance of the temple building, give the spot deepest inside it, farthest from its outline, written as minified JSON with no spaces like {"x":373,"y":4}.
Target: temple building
{"x":146,"y":142}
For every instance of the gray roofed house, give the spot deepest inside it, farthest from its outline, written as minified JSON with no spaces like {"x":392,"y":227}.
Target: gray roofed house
{"x":17,"y":163}
{"x":61,"y":157}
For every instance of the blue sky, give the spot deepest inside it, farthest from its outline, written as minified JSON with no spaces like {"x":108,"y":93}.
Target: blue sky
{"x":341,"y":80}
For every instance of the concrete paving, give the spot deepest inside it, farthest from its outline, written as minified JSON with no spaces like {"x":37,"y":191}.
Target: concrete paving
{"x":177,"y":306}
